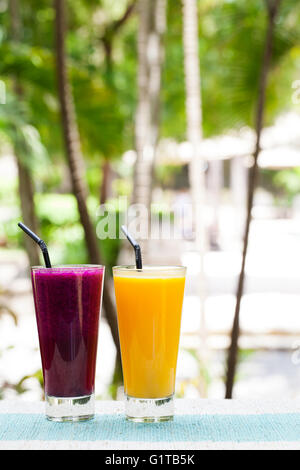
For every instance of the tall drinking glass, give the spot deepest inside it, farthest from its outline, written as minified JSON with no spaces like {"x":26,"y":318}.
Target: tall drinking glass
{"x":149,"y":305}
{"x":67,"y":305}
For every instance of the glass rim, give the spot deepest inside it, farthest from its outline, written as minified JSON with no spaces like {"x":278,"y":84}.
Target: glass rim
{"x":69,"y":266}
{"x":149,"y":267}
{"x":150,"y":272}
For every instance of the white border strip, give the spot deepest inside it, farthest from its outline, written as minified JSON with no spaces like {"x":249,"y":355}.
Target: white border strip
{"x":116,"y":445}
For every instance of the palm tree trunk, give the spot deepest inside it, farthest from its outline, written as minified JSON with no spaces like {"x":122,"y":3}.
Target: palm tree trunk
{"x":152,"y":19}
{"x":26,"y":187}
{"x":194,"y":136}
{"x":105,"y":183}
{"x":75,"y":162}
{"x":273,"y":7}
{"x":26,"y":193}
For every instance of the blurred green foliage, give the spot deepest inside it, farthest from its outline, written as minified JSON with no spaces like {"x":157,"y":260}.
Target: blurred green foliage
{"x":288,"y":181}
{"x":231,"y":36}
{"x":283,"y":184}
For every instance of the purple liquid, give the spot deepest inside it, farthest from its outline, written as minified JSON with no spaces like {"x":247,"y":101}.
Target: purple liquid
{"x":67,"y":304}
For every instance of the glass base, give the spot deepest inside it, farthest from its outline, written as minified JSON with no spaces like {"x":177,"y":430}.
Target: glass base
{"x":70,"y":409}
{"x":149,"y":410}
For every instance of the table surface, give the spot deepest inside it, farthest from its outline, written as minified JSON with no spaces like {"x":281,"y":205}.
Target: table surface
{"x":198,"y":424}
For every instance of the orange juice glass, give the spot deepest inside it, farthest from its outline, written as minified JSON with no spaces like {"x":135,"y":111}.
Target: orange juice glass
{"x":149,"y":305}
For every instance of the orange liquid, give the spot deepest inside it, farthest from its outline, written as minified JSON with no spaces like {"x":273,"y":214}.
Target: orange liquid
{"x":149,"y":317}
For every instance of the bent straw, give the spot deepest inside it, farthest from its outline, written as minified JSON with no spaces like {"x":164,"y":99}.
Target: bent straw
{"x":136,"y":246}
{"x":39,"y":241}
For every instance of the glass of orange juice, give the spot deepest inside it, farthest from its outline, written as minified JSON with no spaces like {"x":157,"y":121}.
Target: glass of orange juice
{"x":149,"y":305}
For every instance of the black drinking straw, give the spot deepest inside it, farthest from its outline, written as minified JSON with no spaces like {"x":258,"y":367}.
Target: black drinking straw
{"x":39,"y":241}
{"x":136,"y":246}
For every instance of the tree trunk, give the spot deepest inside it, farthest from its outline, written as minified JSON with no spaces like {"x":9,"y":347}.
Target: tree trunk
{"x":75,"y":162}
{"x":273,"y":7}
{"x":238,"y":190}
{"x":194,"y":136}
{"x":105,"y":183}
{"x":152,"y":19}
{"x":28,"y":212}
{"x":26,"y":188}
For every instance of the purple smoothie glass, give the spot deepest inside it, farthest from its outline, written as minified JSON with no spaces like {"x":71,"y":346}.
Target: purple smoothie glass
{"x":67,"y":304}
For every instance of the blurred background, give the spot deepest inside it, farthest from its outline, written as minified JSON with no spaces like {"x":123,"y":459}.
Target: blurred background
{"x":165,"y":103}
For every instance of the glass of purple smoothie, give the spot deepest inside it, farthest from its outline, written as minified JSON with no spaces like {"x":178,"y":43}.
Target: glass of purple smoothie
{"x":67,"y":304}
